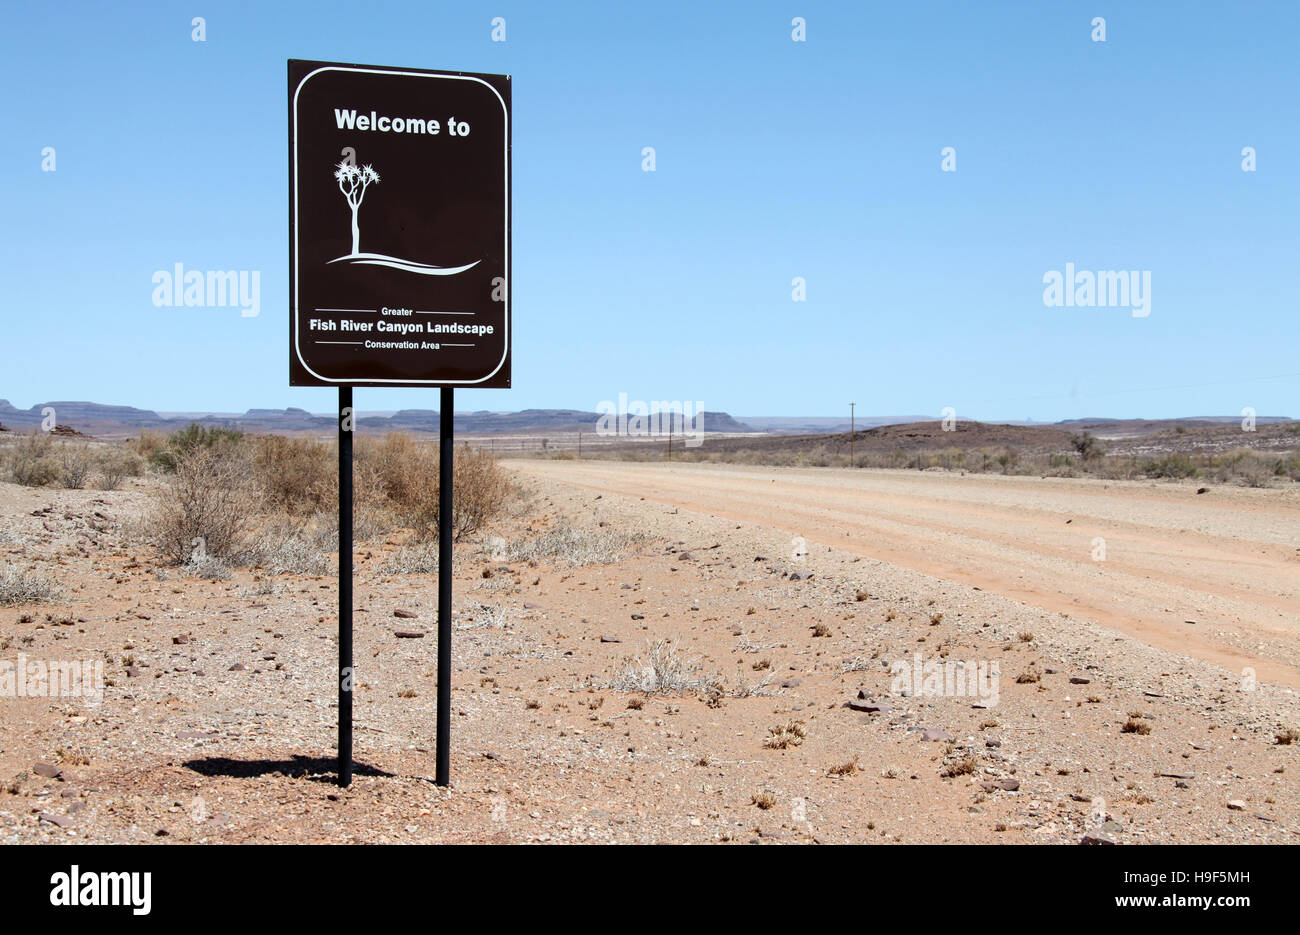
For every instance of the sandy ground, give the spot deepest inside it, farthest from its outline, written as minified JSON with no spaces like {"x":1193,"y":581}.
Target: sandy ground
{"x":218,"y":722}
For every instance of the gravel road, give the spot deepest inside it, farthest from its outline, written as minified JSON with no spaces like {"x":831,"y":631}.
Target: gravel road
{"x":1213,"y":575}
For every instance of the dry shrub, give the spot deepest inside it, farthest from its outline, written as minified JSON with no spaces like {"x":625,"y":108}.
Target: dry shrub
{"x":148,"y":444}
{"x":31,"y":460}
{"x":296,"y":475}
{"x":407,"y":473}
{"x":75,"y":461}
{"x":21,"y":587}
{"x":403,"y":470}
{"x":116,"y":464}
{"x":480,"y":489}
{"x":413,"y":558}
{"x":205,"y":505}
{"x":223,"y":486}
{"x":285,"y":545}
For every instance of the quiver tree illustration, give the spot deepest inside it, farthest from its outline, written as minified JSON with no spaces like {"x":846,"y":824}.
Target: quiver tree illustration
{"x":353,"y":183}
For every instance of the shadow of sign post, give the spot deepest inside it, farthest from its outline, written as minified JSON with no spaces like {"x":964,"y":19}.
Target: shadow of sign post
{"x":399,"y":268}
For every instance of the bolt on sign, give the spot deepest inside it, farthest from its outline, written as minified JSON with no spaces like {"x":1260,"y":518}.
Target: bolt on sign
{"x":399,"y":214}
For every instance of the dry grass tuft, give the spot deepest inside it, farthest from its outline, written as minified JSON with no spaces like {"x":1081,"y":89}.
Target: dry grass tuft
{"x":784,"y":736}
{"x":22,"y":587}
{"x":845,"y":769}
{"x":664,"y":670}
{"x":1029,"y":676}
{"x":574,"y":545}
{"x":963,"y":767}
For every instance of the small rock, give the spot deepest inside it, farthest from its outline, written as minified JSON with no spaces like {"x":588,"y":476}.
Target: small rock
{"x":638,"y":616}
{"x":930,"y":734}
{"x":57,"y":820}
{"x":610,"y":639}
{"x":1097,"y":837}
{"x":408,"y":634}
{"x":237,"y":667}
{"x":871,"y":707}
{"x":48,"y":770}
{"x":405,"y":614}
{"x":1079,"y":680}
{"x":1236,"y":805}
{"x":1006,"y":785}
{"x":180,"y":640}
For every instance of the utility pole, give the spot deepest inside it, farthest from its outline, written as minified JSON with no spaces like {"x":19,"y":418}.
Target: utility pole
{"x":852,"y":425}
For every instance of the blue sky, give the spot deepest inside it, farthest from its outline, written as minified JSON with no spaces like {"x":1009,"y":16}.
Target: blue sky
{"x":775,"y":159}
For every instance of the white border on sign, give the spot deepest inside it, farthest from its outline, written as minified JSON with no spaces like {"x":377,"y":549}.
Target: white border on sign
{"x":297,"y":264}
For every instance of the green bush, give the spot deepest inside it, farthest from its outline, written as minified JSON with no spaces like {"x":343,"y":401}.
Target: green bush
{"x":1171,"y":465}
{"x":190,"y":439}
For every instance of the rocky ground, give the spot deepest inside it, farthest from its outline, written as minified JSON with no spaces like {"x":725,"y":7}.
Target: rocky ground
{"x":218,"y":717}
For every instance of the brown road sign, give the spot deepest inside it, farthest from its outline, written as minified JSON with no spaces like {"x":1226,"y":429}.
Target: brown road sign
{"x":399,"y":227}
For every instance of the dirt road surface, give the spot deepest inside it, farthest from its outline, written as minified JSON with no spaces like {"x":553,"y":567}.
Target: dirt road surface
{"x":1215,"y":575}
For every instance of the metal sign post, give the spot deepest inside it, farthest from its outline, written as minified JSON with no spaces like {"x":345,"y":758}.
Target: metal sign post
{"x":399,"y":269}
{"x":345,"y":585}
{"x":446,"y":491}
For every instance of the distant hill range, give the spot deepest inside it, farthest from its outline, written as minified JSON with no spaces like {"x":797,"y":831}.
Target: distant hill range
{"x":99,"y":419}
{"x":116,"y":421}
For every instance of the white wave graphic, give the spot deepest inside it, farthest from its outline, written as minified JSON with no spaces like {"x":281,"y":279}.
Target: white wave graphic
{"x":410,"y":266}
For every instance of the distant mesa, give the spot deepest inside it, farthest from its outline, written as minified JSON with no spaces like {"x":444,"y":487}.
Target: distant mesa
{"x":98,"y":419}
